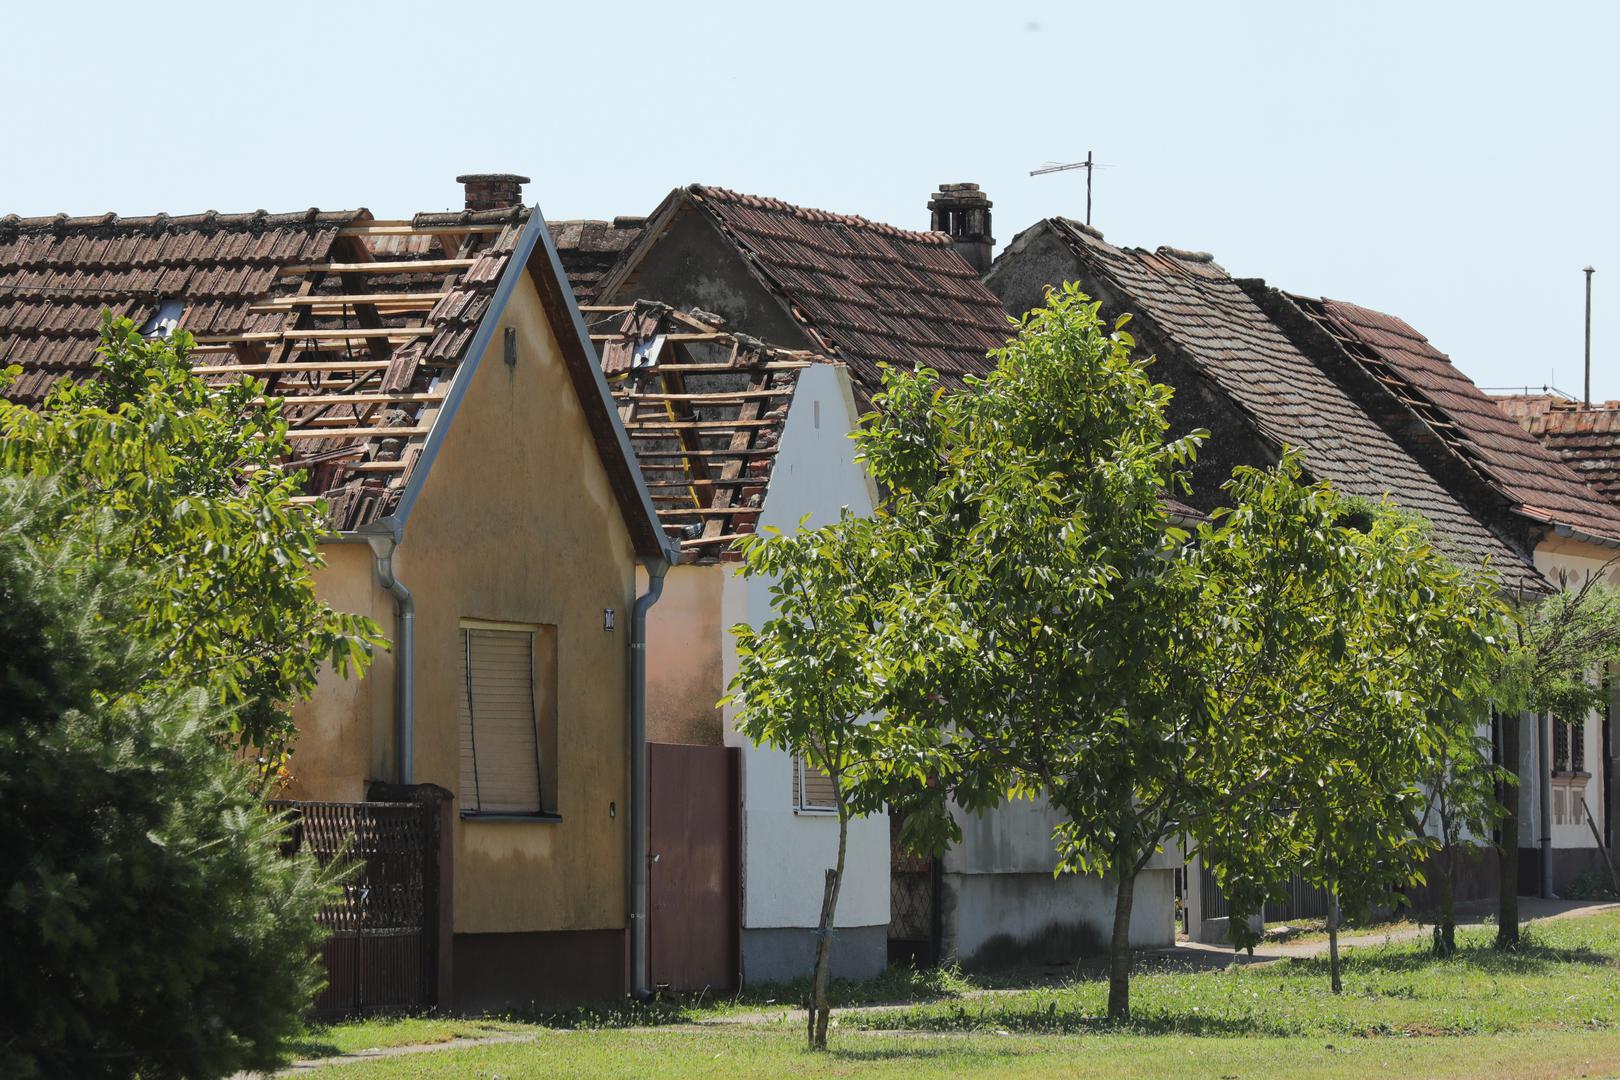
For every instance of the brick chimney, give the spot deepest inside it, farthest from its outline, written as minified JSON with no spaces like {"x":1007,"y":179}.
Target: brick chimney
{"x":963,"y":212}
{"x":493,"y":191}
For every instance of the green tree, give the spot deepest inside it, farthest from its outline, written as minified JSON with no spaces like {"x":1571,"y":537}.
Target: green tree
{"x":1059,"y":637}
{"x":150,"y":925}
{"x":1393,"y":650}
{"x":190,"y":475}
{"x":808,"y":679}
{"x":1561,"y":649}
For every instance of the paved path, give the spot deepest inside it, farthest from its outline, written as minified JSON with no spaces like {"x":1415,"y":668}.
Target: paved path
{"x":1470,"y":914}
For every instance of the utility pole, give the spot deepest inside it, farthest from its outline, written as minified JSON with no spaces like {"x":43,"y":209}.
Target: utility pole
{"x":1588,"y":272}
{"x":1087,"y":165}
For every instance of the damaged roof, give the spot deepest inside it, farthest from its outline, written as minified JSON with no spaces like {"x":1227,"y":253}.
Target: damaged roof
{"x":864,"y":293}
{"x":1192,"y":306}
{"x":1535,"y":481}
{"x":364,"y":327}
{"x":705,"y":408}
{"x":1584,"y":437}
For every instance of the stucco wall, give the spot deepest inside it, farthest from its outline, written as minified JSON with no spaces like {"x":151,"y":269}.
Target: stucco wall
{"x":685,"y":674}
{"x":786,"y":854}
{"x":345,"y":729}
{"x":517,"y":523}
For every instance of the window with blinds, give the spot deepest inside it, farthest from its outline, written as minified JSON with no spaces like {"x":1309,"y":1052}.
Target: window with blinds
{"x":812,"y":789}
{"x":503,"y":739}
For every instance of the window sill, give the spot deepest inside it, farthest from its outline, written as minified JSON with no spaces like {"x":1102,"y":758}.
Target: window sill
{"x":508,"y":819}
{"x":806,"y":812}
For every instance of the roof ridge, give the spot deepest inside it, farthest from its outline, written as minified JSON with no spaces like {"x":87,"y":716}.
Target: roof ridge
{"x":810,"y":213}
{"x":206,"y":219}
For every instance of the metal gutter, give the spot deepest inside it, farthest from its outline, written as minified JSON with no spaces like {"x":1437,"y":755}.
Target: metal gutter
{"x":639,"y":855}
{"x":382,"y":550}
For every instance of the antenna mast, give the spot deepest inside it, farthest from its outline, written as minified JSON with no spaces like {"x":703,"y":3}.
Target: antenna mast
{"x":1087,"y":165}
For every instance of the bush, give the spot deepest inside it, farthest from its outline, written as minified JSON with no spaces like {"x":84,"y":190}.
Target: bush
{"x":148,"y":922}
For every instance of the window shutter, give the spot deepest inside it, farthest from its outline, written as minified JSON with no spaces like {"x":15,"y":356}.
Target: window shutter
{"x":500,"y":764}
{"x":812,"y":788}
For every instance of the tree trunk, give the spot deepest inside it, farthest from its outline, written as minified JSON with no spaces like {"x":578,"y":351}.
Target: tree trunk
{"x":1119,"y":946}
{"x":818,"y":1011}
{"x":1445,"y":927}
{"x":1507,"y":911}
{"x":1333,"y":941}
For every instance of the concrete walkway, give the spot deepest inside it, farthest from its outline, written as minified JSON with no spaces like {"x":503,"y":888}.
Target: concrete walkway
{"x":1470,"y":914}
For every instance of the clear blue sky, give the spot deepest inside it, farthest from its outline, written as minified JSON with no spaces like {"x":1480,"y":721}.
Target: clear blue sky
{"x":1455,"y":164}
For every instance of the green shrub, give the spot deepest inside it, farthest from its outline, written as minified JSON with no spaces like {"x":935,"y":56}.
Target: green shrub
{"x":149,"y":924}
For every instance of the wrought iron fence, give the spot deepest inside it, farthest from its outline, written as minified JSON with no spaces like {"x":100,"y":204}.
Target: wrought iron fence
{"x":381,"y":955}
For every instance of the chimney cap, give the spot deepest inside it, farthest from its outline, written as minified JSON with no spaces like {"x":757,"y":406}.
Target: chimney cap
{"x":492,"y":177}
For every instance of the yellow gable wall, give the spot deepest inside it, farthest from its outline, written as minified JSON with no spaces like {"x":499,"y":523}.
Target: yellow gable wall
{"x":518,"y":523}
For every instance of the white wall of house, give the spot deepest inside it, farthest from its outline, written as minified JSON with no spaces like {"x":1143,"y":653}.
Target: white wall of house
{"x":786,"y":853}
{"x":1572,"y":561}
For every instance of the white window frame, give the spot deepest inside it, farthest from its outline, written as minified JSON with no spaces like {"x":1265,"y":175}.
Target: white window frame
{"x":800,"y":805}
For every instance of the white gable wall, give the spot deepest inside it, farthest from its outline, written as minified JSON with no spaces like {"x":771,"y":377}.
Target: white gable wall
{"x":786,"y":854}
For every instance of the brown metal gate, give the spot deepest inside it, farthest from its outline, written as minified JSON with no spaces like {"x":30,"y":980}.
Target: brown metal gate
{"x":382,"y":955}
{"x":693,"y":886}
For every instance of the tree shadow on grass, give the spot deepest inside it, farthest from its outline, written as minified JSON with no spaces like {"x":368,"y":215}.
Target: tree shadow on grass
{"x":1055,"y":1020}
{"x":1529,"y":959}
{"x":922,"y":1053}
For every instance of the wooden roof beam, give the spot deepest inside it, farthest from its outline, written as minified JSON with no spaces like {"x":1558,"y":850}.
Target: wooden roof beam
{"x":414,"y":266}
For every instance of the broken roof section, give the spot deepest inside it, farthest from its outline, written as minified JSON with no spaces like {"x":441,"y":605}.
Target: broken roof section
{"x":1584,"y":437}
{"x":1191,"y":306}
{"x":704,"y":408}
{"x":364,"y":327}
{"x":1535,"y":482}
{"x":861,"y":291}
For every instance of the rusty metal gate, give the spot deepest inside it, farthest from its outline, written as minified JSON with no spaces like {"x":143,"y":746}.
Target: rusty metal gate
{"x":914,"y":915}
{"x":382,"y":955}
{"x":694,"y":890}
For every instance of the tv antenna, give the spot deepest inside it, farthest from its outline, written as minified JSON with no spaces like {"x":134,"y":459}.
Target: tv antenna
{"x":1087,"y":165}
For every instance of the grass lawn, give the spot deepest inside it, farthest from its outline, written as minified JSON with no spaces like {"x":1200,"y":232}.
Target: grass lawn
{"x":1551,"y":1010}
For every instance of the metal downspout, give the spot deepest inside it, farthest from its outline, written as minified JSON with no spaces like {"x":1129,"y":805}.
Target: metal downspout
{"x":1544,"y":722}
{"x":656,"y":569}
{"x":382,"y":550}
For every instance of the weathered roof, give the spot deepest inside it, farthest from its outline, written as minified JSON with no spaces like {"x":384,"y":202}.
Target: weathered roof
{"x":705,"y":408}
{"x":864,"y":292}
{"x":588,"y":249}
{"x":360,"y":325}
{"x":1586,"y":438}
{"x":1535,"y":481}
{"x":1190,"y":304}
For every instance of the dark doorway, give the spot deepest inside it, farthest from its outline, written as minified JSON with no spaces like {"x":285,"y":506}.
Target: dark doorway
{"x":914,"y":915}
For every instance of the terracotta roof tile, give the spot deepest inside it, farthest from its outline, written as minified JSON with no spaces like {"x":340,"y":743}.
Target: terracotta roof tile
{"x":1190,"y":304}
{"x":872,"y":292}
{"x":1534,"y":479}
{"x":1587,"y":439}
{"x":588,"y":249}
{"x":57,"y":275}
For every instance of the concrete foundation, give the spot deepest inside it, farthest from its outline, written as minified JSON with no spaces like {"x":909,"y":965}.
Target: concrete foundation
{"x":499,"y":972}
{"x":778,"y":954}
{"x":1010,"y":920}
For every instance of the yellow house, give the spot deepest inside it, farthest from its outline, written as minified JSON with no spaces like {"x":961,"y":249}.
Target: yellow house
{"x":444,"y":397}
